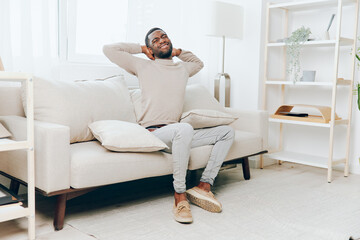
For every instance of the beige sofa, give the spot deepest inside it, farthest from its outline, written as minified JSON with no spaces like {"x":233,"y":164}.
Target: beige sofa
{"x":67,"y":170}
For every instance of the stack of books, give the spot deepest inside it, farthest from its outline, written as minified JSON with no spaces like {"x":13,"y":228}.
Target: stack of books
{"x":8,"y":198}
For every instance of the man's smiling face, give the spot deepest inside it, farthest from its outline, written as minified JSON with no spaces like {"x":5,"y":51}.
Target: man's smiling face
{"x":160,"y":44}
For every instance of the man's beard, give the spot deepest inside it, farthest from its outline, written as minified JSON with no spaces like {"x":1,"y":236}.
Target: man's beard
{"x":166,"y":54}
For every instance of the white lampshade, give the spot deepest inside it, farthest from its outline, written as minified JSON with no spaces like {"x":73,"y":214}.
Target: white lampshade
{"x":226,"y":20}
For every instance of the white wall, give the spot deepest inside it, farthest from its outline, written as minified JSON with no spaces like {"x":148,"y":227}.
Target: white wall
{"x":242,"y":57}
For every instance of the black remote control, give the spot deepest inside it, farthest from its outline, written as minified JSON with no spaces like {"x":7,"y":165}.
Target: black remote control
{"x":294,"y":114}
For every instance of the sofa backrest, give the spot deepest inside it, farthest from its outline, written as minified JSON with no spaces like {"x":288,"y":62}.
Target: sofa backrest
{"x":78,"y":104}
{"x":10,"y":101}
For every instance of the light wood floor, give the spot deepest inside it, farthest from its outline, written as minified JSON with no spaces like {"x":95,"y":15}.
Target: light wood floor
{"x":279,"y":202}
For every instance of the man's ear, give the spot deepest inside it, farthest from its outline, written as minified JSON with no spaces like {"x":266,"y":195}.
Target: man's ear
{"x":150,"y":51}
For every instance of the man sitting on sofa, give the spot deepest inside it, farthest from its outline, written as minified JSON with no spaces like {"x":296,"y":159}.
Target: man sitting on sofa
{"x":163,"y":83}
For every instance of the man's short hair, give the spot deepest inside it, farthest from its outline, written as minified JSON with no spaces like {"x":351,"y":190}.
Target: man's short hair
{"x":147,"y":43}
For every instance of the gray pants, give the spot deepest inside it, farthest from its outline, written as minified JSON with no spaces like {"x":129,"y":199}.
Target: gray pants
{"x":181,"y":137}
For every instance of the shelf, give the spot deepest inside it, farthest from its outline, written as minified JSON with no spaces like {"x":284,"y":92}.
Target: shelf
{"x":341,"y":82}
{"x":9,"y":145}
{"x":305,"y":159}
{"x":14,"y":76}
{"x":12,"y":212}
{"x":314,"y":124}
{"x":309,"y":5}
{"x":317,"y":43}
{"x":299,"y":83}
{"x":286,"y":12}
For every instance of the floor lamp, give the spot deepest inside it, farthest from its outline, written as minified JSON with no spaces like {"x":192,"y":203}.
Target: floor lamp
{"x":226,"y":22}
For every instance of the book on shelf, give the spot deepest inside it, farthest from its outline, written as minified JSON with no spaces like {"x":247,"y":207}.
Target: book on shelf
{"x":8,"y":197}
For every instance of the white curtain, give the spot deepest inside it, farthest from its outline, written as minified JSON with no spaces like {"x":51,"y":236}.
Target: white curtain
{"x":28,"y":41}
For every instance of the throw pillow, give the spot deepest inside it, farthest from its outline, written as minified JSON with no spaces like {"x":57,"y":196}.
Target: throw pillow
{"x":77,"y":104}
{"x":4,"y":133}
{"x":203,"y":118}
{"x":123,"y":136}
{"x":136,"y":99}
{"x":198,"y":97}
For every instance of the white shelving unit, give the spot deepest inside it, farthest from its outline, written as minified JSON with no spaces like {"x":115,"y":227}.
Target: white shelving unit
{"x":308,"y":5}
{"x":336,"y":81}
{"x":16,"y":211}
{"x":319,"y":43}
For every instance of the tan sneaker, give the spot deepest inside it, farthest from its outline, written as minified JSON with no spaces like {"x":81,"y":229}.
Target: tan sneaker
{"x":204,"y":199}
{"x":182,"y":212}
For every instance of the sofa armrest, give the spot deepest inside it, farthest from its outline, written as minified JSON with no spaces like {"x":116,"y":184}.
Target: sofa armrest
{"x":255,"y":121}
{"x":52,"y":154}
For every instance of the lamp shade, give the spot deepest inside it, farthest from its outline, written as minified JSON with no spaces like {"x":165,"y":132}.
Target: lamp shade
{"x":226,"y":20}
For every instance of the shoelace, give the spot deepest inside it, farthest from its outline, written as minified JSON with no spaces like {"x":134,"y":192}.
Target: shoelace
{"x":181,"y":207}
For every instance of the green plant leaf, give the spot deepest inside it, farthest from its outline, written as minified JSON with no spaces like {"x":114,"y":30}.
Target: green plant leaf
{"x":293,"y":47}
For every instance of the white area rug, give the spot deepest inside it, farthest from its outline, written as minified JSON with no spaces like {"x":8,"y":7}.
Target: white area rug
{"x":279,"y":202}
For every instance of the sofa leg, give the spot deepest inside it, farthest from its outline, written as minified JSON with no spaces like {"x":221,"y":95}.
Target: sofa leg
{"x":246,"y":168}
{"x":14,"y":186}
{"x":60,"y":211}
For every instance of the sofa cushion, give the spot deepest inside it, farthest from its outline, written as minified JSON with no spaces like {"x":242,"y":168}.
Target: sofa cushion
{"x":121,"y":136}
{"x":136,"y":100}
{"x":94,"y":165}
{"x":203,"y":118}
{"x":10,"y":101}
{"x":76,"y":104}
{"x":245,"y":144}
{"x":198,"y":97}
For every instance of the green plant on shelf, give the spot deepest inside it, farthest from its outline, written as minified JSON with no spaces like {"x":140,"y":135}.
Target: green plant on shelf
{"x":293,"y":47}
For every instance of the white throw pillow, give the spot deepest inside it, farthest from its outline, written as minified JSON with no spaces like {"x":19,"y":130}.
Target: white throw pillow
{"x":203,"y":118}
{"x":136,"y":99}
{"x":77,"y":104}
{"x":123,"y":136}
{"x":198,"y":97}
{"x":4,"y":133}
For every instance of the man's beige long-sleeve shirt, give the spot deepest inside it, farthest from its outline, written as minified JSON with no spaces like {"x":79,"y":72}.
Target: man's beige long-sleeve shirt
{"x":162,"y":81}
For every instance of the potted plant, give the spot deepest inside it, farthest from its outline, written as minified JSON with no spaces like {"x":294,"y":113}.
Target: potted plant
{"x":293,"y":46}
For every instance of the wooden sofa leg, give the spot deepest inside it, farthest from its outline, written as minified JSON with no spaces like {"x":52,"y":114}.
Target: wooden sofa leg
{"x":14,"y":186}
{"x":60,"y":211}
{"x":246,"y":168}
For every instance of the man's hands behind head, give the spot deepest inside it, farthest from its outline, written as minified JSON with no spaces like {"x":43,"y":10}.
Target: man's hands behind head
{"x":145,"y":50}
{"x":176,"y":52}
